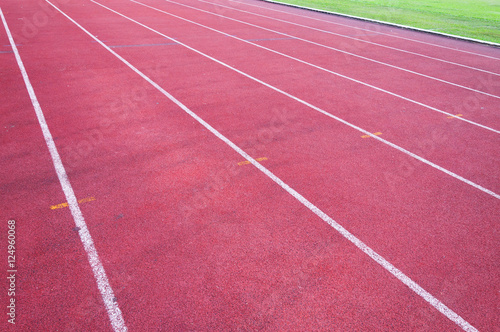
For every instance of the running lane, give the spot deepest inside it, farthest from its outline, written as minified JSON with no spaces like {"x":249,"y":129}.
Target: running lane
{"x":189,"y":246}
{"x":54,"y":287}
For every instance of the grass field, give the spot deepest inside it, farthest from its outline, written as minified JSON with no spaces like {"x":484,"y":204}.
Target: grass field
{"x":478,"y":19}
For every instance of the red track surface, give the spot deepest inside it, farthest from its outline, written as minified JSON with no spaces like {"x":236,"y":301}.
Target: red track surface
{"x":190,"y":239}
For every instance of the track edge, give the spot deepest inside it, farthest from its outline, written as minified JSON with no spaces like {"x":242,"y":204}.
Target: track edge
{"x":442,"y":34}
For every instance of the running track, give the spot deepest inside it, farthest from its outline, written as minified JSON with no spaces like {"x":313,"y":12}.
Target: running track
{"x":243,"y":166}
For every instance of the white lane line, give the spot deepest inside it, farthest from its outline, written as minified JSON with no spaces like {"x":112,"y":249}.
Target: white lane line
{"x":321,"y":68}
{"x":397,"y":147}
{"x":358,"y":28}
{"x":441,"y":307}
{"x":114,"y":313}
{"x":335,"y":49}
{"x":357,"y":39}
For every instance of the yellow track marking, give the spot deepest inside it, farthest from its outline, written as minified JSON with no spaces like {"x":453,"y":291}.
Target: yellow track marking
{"x":368,"y":136}
{"x":454,"y":116}
{"x":246,"y":162}
{"x":63,"y":205}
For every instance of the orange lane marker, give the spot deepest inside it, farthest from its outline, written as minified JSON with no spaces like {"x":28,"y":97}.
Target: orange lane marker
{"x":454,"y":116}
{"x":378,"y":133}
{"x":246,"y":162}
{"x":63,"y":205}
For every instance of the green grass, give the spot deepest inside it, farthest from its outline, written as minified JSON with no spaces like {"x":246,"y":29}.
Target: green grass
{"x":479,"y":19}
